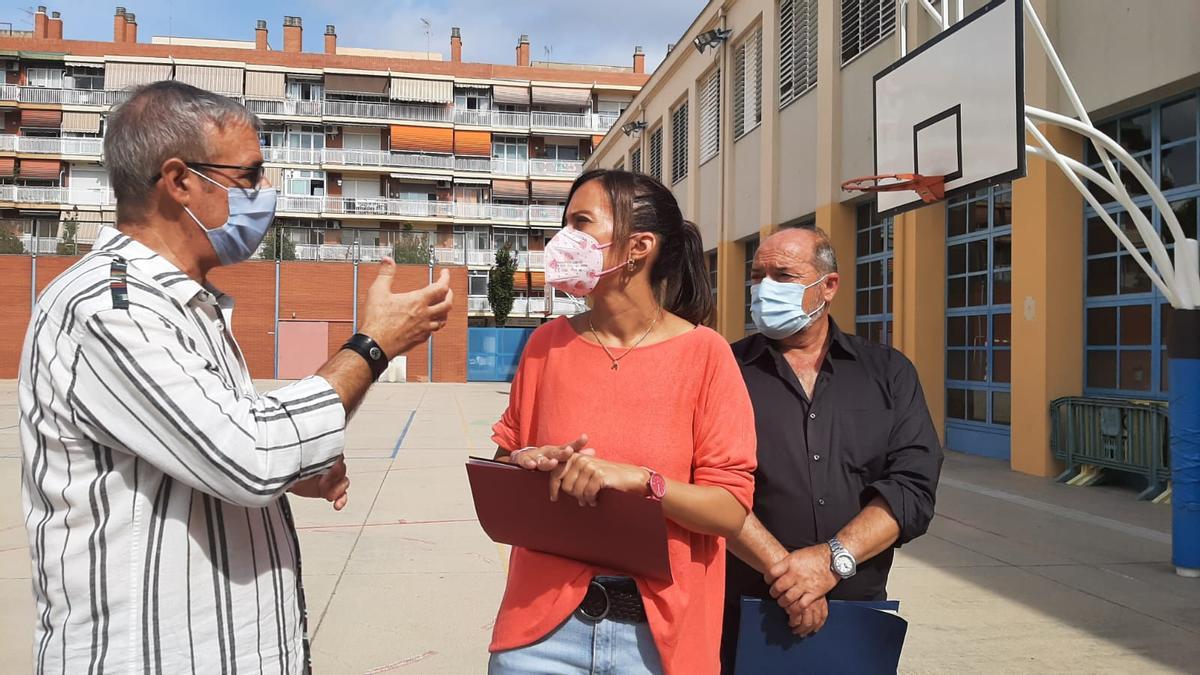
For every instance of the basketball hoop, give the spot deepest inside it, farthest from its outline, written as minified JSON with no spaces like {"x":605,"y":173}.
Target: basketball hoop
{"x":929,"y":188}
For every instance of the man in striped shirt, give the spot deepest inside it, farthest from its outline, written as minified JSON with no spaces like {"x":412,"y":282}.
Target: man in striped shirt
{"x":154,"y":475}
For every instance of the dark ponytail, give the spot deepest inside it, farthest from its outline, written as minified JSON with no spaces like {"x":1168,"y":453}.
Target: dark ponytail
{"x":642,"y":204}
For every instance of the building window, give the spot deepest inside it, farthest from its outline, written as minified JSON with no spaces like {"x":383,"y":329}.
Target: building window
{"x":305,"y":182}
{"x":306,"y":137}
{"x":49,"y":78}
{"x":979,"y":307}
{"x":512,"y":239}
{"x":656,"y":154}
{"x":710,"y":116}
{"x":747,"y":84}
{"x":751,"y":247}
{"x":477,"y":283}
{"x":873,"y":276}
{"x":510,"y":147}
{"x":305,"y":90}
{"x":1127,"y":320}
{"x":473,"y":99}
{"x":797,"y":49}
{"x":864,"y":24}
{"x":679,"y":142}
{"x":635,"y":161}
{"x":85,"y":77}
{"x":619,"y":166}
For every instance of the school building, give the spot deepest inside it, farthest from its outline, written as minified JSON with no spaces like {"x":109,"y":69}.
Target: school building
{"x":1006,"y":299}
{"x":375,"y":152}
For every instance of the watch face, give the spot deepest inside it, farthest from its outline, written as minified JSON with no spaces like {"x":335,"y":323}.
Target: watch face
{"x":843,"y":566}
{"x":658,"y":486}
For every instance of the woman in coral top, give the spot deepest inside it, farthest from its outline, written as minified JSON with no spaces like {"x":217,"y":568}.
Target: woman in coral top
{"x":634,"y":395}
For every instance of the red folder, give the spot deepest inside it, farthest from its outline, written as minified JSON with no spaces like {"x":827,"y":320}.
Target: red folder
{"x":623,"y":532}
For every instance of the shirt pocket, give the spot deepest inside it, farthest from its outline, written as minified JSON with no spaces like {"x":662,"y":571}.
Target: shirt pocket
{"x":862,"y":440}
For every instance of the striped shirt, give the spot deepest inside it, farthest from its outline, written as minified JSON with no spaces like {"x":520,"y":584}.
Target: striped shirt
{"x":154,"y":475}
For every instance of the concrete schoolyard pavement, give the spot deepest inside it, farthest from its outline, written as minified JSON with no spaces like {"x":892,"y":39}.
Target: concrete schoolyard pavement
{"x":1017,"y":574}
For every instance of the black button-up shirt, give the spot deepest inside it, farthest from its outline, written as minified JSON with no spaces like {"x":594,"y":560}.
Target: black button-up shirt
{"x":866,"y":431}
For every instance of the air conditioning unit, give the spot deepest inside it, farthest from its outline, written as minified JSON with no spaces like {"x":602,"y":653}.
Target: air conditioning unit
{"x":332,"y":131}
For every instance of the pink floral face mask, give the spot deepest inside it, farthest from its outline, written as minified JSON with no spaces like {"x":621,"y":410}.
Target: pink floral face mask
{"x":575,"y":262}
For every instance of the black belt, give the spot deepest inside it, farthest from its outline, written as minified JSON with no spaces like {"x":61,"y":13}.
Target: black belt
{"x":616,"y":599}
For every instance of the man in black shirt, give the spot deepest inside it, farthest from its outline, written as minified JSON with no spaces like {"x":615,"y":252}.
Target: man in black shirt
{"x":848,"y":459}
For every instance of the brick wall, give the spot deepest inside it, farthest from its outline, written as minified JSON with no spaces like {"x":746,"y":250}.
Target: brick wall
{"x":308,"y":291}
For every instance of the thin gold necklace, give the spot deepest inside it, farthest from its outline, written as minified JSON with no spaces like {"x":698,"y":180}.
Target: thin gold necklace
{"x":616,"y":359}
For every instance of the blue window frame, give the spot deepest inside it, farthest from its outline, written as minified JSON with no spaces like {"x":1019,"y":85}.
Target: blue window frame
{"x":1126,"y":318}
{"x":979,"y":321}
{"x":873,"y":275}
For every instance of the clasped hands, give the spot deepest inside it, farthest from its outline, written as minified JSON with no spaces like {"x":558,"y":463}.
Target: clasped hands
{"x":576,"y":471}
{"x":799,"y":582}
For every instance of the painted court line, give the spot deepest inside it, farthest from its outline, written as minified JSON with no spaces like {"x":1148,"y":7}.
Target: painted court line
{"x":1062,"y":511}
{"x":400,"y":441}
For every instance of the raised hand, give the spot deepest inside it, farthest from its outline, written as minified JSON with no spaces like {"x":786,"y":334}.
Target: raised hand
{"x":401,"y":321}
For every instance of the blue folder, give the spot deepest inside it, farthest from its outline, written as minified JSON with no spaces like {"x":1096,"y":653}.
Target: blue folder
{"x":858,"y":637}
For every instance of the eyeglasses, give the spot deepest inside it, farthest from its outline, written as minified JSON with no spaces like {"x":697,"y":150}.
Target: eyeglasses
{"x":254,"y":174}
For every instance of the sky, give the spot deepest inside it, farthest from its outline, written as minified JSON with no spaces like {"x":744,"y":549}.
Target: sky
{"x":577,"y":31}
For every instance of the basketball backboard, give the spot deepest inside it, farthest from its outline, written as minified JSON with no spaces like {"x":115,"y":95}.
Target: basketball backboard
{"x":955,"y":107}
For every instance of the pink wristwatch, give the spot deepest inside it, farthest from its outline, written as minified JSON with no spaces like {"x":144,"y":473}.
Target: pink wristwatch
{"x":656,"y":487}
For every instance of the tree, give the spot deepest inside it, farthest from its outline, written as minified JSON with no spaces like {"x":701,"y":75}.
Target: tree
{"x":68,"y":245}
{"x":411,"y":249}
{"x":500,"y":284}
{"x":10,"y":243}
{"x":278,"y":246}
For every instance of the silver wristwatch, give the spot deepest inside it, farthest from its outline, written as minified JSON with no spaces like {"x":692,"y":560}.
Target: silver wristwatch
{"x":843,"y":563}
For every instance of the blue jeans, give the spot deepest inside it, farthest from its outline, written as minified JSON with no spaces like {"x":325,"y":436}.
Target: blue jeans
{"x":582,"y":647}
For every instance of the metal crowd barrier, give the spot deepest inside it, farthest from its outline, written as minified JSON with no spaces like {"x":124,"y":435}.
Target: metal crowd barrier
{"x":1117,"y":434}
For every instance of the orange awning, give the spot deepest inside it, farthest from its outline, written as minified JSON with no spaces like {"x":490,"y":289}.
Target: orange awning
{"x":8,"y":166}
{"x":45,"y":169}
{"x":413,"y":138}
{"x":477,"y":143}
{"x":41,"y":119}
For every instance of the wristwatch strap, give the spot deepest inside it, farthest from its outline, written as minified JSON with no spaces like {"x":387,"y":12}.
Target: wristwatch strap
{"x":371,"y":352}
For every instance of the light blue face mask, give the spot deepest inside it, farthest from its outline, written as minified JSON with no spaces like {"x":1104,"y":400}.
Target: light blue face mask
{"x":251,"y":213}
{"x":778,"y":308}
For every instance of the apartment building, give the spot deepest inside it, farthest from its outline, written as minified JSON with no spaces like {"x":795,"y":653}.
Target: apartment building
{"x":1005,"y":300}
{"x":375,"y":152}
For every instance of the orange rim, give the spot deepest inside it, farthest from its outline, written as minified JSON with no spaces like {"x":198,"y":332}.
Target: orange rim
{"x":929,"y":188}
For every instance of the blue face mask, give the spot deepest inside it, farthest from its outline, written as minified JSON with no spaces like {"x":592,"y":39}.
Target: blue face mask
{"x":251,"y":213}
{"x":778,"y":308}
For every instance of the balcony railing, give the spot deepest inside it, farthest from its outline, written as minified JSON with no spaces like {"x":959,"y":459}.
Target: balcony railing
{"x":10,"y":92}
{"x":91,"y":97}
{"x":300,"y":204}
{"x":510,"y":167}
{"x":40,"y":245}
{"x":572,"y":121}
{"x":566,"y":168}
{"x":604,"y":121}
{"x":478,"y":164}
{"x":450,"y":256}
{"x":25,"y":194}
{"x":535,"y":307}
{"x":478,"y":304}
{"x":545,"y":214}
{"x":526,"y":260}
{"x":492,"y":118}
{"x":414,"y":160}
{"x":382,"y":206}
{"x":286,"y":155}
{"x":288,"y":107}
{"x":86,"y":147}
{"x":391,"y":111}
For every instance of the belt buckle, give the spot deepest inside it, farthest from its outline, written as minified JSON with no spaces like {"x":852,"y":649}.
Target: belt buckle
{"x":607,"y":603}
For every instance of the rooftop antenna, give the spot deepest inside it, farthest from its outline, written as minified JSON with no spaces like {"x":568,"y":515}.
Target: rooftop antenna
{"x":428,"y":30}
{"x":549,"y":51}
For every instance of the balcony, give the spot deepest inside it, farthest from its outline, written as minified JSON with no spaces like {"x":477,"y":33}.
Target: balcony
{"x":450,"y":256}
{"x":477,"y":211}
{"x":604,"y":121}
{"x":382,"y":206}
{"x":285,"y":107}
{"x":299,"y":204}
{"x":568,"y":121}
{"x":385,"y":158}
{"x":526,"y":260}
{"x":525,"y":307}
{"x":89,"y":97}
{"x":492,"y":118}
{"x":40,"y":245}
{"x":56,"y":195}
{"x":510,"y":167}
{"x":389,"y":111}
{"x":556,"y":168}
{"x":286,"y":155}
{"x":475,"y":164}
{"x":80,"y":147}
{"x":10,"y":92}
{"x":546,"y":214}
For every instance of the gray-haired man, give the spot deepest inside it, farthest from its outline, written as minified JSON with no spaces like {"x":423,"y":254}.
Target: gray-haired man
{"x":153,"y":473}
